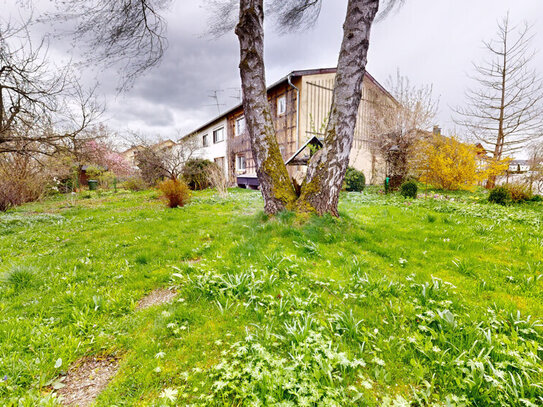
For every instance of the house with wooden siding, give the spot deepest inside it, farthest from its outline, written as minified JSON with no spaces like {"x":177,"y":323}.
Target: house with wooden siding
{"x":300,"y":104}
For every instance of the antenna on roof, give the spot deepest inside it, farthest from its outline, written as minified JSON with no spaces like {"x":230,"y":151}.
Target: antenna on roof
{"x":215,"y":97}
{"x":237,"y":95}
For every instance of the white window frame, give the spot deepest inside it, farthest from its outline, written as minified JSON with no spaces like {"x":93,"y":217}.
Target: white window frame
{"x":205,"y":140}
{"x":239,"y":160}
{"x":215,"y":132}
{"x":239,"y":131}
{"x":281,"y":105}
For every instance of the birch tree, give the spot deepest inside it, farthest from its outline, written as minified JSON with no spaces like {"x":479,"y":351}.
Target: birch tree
{"x":504,"y":109}
{"x":326,"y":171}
{"x":122,"y":28}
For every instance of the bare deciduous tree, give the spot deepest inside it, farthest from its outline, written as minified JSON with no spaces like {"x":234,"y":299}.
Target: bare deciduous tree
{"x":535,"y":161}
{"x":397,"y":126}
{"x":29,"y":90}
{"x":42,"y":106}
{"x":326,"y":171}
{"x":505,"y":108}
{"x":157,"y":160}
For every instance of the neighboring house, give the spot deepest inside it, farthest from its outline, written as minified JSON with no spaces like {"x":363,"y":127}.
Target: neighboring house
{"x":130,"y":154}
{"x":521,"y":172}
{"x":518,"y":166}
{"x":300,"y":104}
{"x":162,"y":145}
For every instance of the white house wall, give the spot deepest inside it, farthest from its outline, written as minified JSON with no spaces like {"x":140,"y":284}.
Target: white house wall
{"x":214,"y":150}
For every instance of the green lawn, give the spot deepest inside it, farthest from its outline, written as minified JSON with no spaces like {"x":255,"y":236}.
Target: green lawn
{"x":426,"y":302}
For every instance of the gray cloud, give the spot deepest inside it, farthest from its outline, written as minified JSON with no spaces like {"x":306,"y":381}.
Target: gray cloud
{"x":431,"y":42}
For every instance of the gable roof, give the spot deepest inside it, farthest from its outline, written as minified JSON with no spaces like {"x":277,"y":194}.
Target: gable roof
{"x":293,"y":74}
{"x":519,"y":162}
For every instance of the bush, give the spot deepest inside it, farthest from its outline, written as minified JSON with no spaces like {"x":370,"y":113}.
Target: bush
{"x":409,"y":189}
{"x":354,"y":180}
{"x":151,"y":164}
{"x":106,"y":179}
{"x":93,"y":171}
{"x":537,"y":198}
{"x":18,"y":191}
{"x":175,"y":192}
{"x":22,"y":180}
{"x":134,"y":184}
{"x":500,"y":195}
{"x":519,"y":193}
{"x":196,"y":173}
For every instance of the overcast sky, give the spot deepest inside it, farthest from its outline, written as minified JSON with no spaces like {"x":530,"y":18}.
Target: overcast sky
{"x":429,"y":41}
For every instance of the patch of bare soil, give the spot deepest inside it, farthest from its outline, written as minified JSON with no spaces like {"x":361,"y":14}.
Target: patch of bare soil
{"x":86,"y":379}
{"x":156,"y":297}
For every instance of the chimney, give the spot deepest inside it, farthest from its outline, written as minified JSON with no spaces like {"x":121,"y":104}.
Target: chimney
{"x":437,"y":130}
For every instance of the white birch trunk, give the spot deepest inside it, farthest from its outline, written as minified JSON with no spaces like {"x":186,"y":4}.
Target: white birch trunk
{"x":275,"y":183}
{"x":326,"y":171}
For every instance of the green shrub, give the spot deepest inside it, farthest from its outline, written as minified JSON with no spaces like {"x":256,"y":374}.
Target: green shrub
{"x":196,"y":174}
{"x":134,"y":184}
{"x":175,"y":192}
{"x":409,"y":189}
{"x":354,"y":180}
{"x":519,"y":193}
{"x":94,"y":171}
{"x":106,"y":179}
{"x":500,"y":195}
{"x":537,"y":198}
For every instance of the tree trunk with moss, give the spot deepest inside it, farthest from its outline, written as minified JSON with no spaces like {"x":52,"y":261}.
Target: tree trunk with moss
{"x":275,"y":184}
{"x":326,"y":171}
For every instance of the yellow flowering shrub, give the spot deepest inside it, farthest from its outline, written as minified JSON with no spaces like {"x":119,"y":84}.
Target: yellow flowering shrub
{"x":448,"y":163}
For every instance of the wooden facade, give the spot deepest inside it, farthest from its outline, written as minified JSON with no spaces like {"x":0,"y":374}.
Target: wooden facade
{"x":300,"y":105}
{"x":285,"y":127}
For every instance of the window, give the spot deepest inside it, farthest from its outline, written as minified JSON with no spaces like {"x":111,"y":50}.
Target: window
{"x":240,"y":163}
{"x":281,"y":105}
{"x":220,"y":162}
{"x":205,"y":140}
{"x":218,"y":135}
{"x":240,"y":126}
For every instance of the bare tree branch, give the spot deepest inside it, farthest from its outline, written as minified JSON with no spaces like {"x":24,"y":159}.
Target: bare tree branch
{"x":36,"y":96}
{"x":129,"y":32}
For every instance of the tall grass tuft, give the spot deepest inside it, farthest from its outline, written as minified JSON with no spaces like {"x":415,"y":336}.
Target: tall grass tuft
{"x":19,"y":277}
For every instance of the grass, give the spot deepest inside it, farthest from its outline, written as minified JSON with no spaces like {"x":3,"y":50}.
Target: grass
{"x":434,"y":301}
